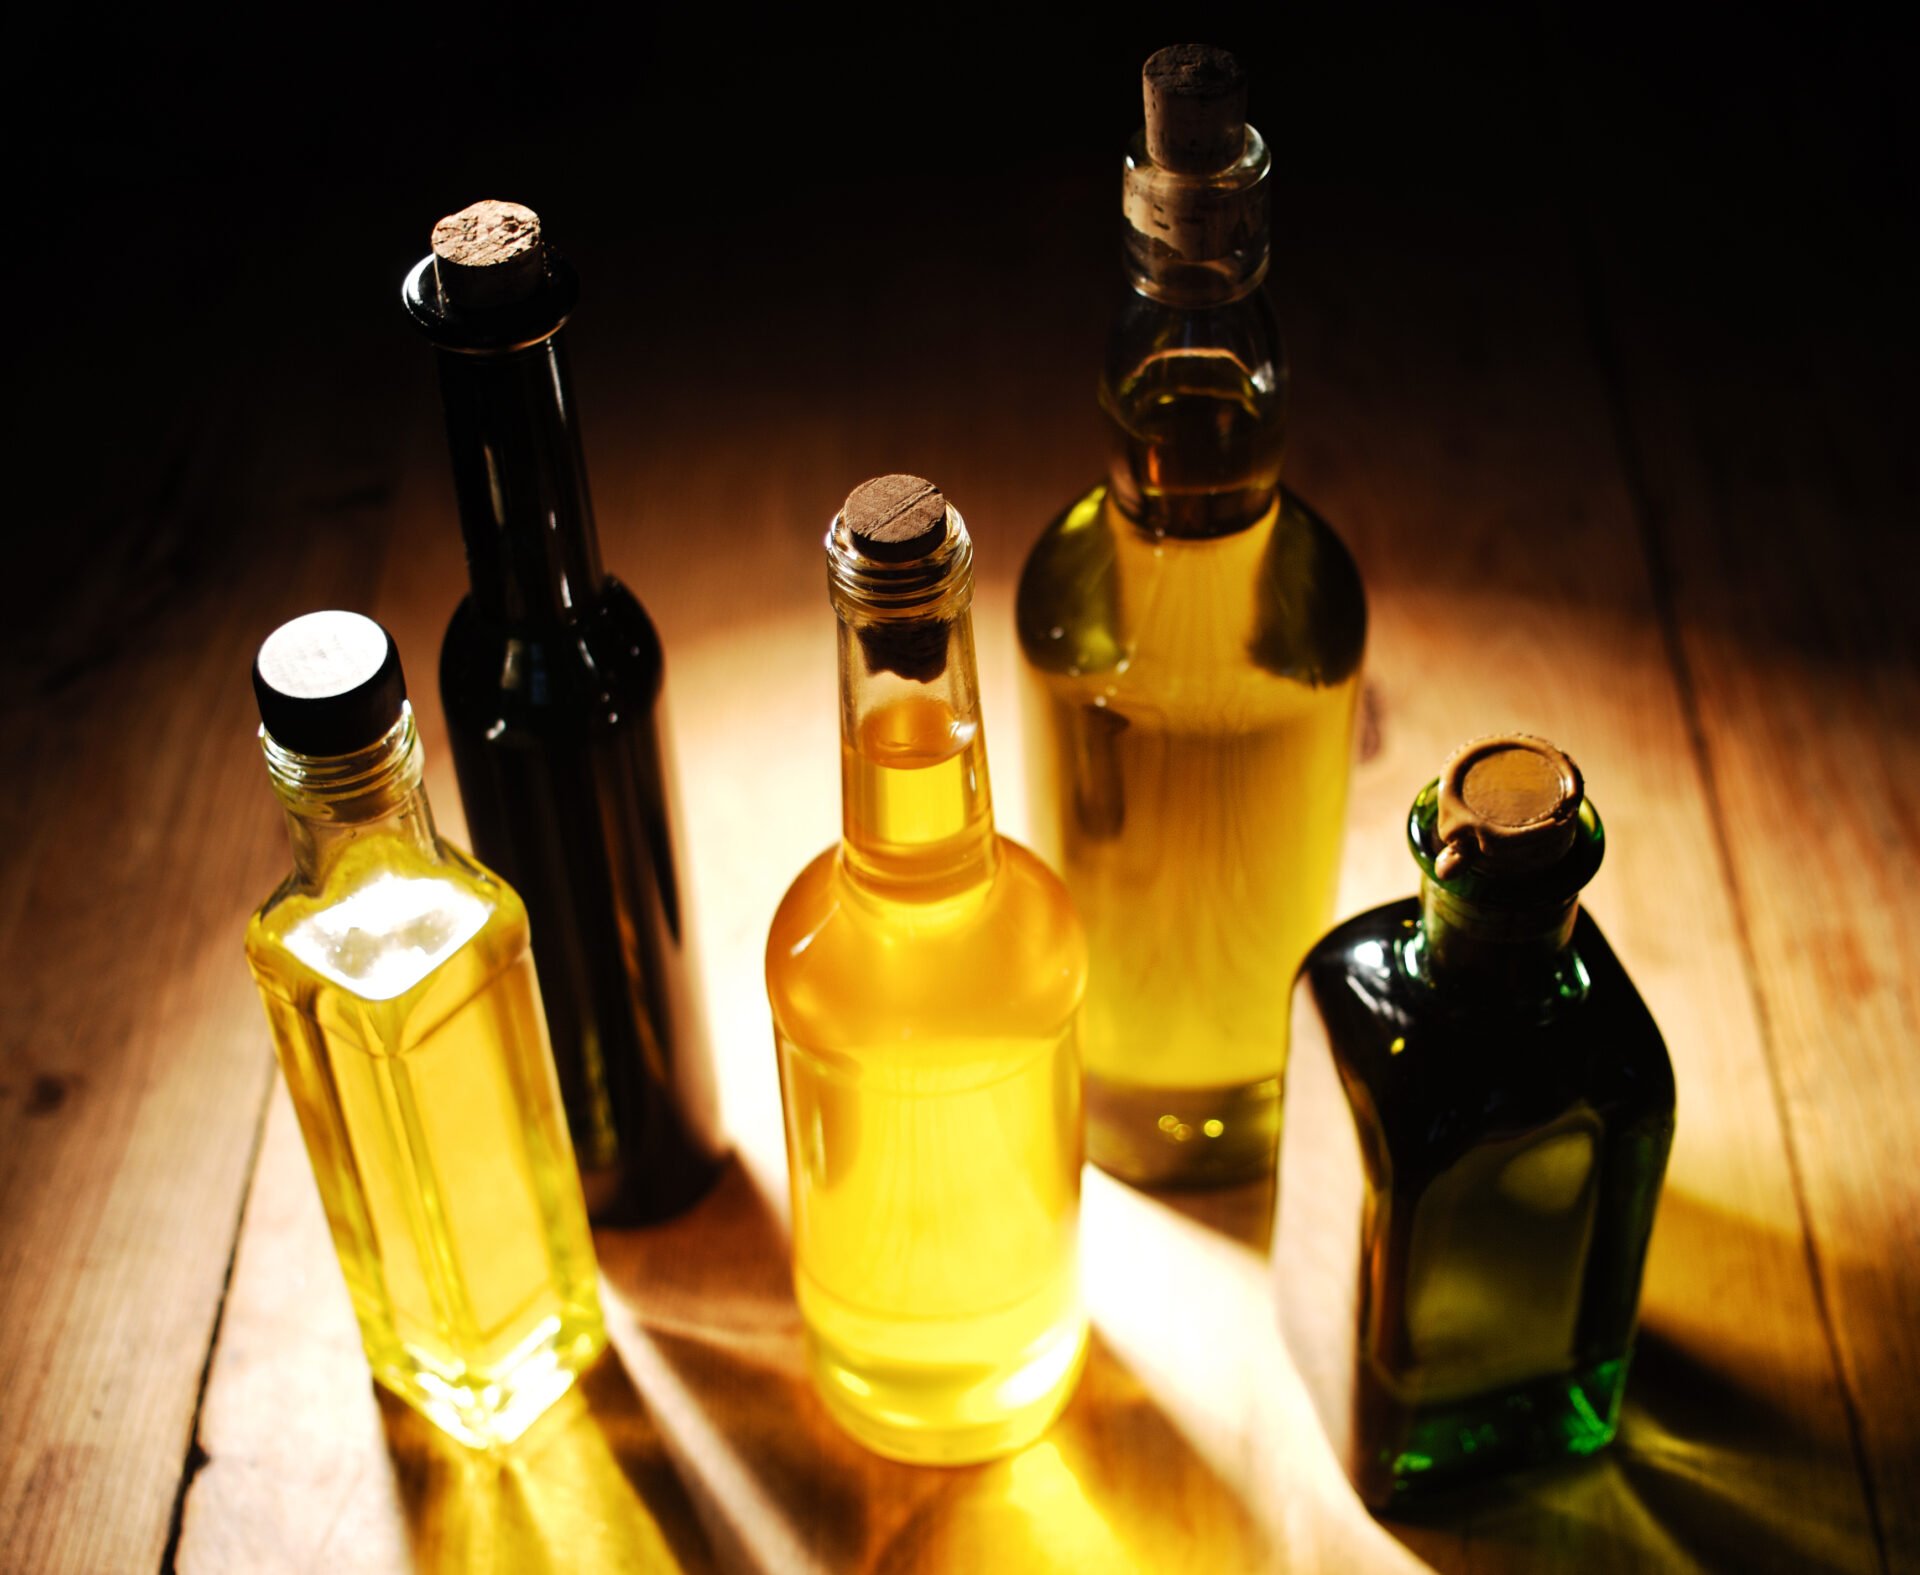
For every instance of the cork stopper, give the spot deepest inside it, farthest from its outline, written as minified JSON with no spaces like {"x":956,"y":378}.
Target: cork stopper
{"x":1196,"y":99}
{"x":1509,"y":804}
{"x":489,"y":255}
{"x":895,"y":519}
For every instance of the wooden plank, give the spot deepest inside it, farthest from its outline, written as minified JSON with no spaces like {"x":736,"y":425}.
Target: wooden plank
{"x":1476,"y":476}
{"x":1451,"y":424}
{"x":141,"y":831}
{"x":1764,"y":413}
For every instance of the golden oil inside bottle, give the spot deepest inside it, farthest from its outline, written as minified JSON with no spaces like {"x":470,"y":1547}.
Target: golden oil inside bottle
{"x":1189,"y":708}
{"x":925,"y":978}
{"x":403,"y":1004}
{"x":1197,"y":444}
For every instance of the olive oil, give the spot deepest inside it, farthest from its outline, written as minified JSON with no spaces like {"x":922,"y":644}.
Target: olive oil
{"x":1192,"y":635}
{"x":1194,"y":803}
{"x":1483,"y":1113}
{"x":400,"y":991}
{"x":925,"y":978}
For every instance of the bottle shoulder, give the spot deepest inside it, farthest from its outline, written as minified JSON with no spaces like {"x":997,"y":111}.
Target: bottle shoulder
{"x":1282,"y":599}
{"x":606,"y":669}
{"x":387,"y":922}
{"x":1009,"y":960}
{"x":1430,"y":1060}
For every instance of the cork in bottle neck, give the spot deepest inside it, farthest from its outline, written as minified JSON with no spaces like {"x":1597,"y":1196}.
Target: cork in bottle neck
{"x":900,"y":570}
{"x":1508,"y":804}
{"x":895,"y":519}
{"x":1196,"y":109}
{"x":1194,"y":189}
{"x":489,"y":255}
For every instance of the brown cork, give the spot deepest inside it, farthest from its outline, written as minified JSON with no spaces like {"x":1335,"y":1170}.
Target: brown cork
{"x":489,"y":255}
{"x":1508,"y":804}
{"x":895,"y":519}
{"x":1196,"y":108}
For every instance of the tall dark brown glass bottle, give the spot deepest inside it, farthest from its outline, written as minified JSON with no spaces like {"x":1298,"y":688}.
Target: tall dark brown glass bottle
{"x":551,"y":675}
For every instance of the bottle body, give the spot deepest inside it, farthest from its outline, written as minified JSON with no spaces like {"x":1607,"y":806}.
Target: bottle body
{"x":1472,"y":1167}
{"x":559,"y":746}
{"x":551,"y":675}
{"x":401,"y":995}
{"x":1192,"y":636}
{"x":930,"y":1078}
{"x":1189,"y":718}
{"x":925,"y":978}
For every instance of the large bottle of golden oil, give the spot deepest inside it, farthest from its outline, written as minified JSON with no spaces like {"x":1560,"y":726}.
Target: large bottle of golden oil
{"x":1192,"y":636}
{"x":401,"y":994}
{"x":925,"y":977}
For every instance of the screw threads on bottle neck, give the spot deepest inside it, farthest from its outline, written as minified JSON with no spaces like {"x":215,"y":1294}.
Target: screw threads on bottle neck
{"x":362,"y":786}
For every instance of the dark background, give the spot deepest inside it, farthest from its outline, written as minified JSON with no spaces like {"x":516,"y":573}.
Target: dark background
{"x":1599,"y":320}
{"x":212,"y":219}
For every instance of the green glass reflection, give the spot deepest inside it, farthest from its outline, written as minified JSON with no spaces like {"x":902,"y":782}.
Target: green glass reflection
{"x":1514,"y":1105}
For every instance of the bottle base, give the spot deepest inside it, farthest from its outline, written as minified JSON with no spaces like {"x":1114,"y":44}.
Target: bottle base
{"x":485,"y":1409}
{"x":1183,"y":1137}
{"x":949,"y":1414}
{"x":1431,"y":1450}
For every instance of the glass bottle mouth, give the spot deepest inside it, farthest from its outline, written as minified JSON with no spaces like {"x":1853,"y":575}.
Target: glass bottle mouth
{"x":351,"y":786}
{"x":1557,"y":882}
{"x":937,"y":585}
{"x":505,"y":330}
{"x":1196,"y":239}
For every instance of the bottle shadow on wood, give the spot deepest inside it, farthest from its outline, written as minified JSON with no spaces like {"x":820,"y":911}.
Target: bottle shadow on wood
{"x":1112,"y":1485}
{"x":589,"y":1486}
{"x":1712,"y":1468}
{"x":1242,"y":1213}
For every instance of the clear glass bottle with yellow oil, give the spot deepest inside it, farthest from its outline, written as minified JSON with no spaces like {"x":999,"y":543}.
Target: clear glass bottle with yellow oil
{"x":400,"y":990}
{"x":925,"y":977}
{"x":1192,"y":635}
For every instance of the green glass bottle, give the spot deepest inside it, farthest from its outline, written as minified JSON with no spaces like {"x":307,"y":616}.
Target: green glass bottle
{"x":1192,"y":636}
{"x":1459,"y":1285}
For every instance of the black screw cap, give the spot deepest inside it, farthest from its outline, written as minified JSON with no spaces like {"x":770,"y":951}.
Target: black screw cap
{"x":329,"y":683}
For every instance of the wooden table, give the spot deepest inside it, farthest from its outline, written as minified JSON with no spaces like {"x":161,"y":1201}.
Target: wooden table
{"x":1653,"y":509}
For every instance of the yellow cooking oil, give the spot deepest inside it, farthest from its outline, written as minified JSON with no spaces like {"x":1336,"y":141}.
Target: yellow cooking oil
{"x":1189,"y":706}
{"x":925,"y":977}
{"x":401,"y":995}
{"x":1192,"y":635}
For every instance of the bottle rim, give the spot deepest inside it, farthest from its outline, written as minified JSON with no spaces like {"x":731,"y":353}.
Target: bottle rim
{"x":325,"y":787}
{"x":936,"y":585}
{"x":1556,"y":883}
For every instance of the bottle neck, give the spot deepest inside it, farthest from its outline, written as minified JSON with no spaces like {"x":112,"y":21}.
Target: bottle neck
{"x":1521,"y":955}
{"x":916,"y":803}
{"x":521,"y":480}
{"x":1503,"y":937}
{"x":1196,"y":240}
{"x":335,"y":801}
{"x":1196,"y":379}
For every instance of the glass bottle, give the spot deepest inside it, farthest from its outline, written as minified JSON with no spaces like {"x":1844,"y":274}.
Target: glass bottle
{"x":551,"y":676}
{"x":1480,"y":1113}
{"x":398,"y":986}
{"x":925,"y":977}
{"x":1192,"y":636}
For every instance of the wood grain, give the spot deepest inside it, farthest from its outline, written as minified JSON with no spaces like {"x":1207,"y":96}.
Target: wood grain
{"x":1499,"y":545}
{"x":1562,"y":529}
{"x":132,"y":1074}
{"x":1498,"y":539}
{"x":1790,"y":591}
{"x":1753,"y":337}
